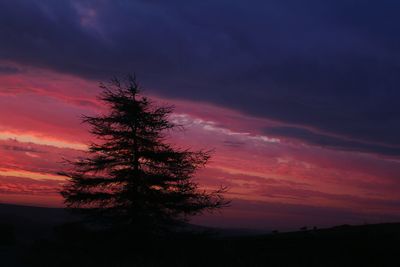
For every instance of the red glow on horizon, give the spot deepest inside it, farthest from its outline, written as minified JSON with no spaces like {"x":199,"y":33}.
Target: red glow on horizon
{"x":40,"y":124}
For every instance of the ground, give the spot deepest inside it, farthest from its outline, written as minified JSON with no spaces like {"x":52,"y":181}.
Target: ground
{"x":71,"y":244}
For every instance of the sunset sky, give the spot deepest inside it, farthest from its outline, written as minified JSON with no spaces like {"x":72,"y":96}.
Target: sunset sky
{"x":298,"y":99}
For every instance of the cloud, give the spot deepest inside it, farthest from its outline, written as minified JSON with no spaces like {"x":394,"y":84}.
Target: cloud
{"x":29,"y":159}
{"x":8,"y":70}
{"x":330,"y":141}
{"x":27,"y":186}
{"x":20,"y":147}
{"x":329,"y":65}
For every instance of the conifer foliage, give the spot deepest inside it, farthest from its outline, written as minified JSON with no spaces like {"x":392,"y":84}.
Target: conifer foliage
{"x":131,"y":175}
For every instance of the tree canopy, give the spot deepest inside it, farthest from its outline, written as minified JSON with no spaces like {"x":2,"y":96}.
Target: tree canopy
{"x":131,"y":175}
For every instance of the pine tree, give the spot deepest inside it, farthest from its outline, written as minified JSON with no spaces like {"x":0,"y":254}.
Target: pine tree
{"x":131,"y":175}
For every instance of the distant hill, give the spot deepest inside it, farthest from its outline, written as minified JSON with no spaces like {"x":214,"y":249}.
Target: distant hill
{"x":32,"y":214}
{"x":30,"y":223}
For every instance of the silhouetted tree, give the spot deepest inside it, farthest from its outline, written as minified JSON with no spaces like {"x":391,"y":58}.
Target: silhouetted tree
{"x":131,"y":175}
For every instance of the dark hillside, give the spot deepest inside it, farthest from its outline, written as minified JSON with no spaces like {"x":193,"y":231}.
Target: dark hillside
{"x":30,"y":223}
{"x":56,"y":244}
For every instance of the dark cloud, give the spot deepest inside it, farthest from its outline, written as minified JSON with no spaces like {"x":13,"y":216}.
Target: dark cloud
{"x":330,"y":65}
{"x":20,"y":148}
{"x":8,"y":70}
{"x":329,"y":141}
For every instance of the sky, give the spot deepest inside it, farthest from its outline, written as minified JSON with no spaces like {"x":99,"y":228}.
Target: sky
{"x":298,"y":99}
